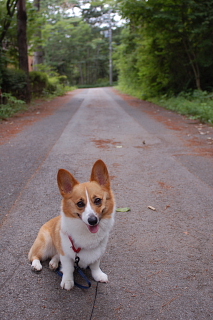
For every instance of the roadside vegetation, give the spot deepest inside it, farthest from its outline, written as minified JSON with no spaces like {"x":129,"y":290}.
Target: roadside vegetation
{"x":42,"y":85}
{"x":10,"y":106}
{"x":196,"y":105}
{"x":165,"y":54}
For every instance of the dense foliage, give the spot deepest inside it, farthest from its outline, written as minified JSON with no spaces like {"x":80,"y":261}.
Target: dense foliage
{"x":78,"y":46}
{"x":167,"y":46}
{"x":70,"y":44}
{"x":75,"y":50}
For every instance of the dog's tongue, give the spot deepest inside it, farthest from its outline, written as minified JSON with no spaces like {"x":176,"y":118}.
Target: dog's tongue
{"x":94,"y":229}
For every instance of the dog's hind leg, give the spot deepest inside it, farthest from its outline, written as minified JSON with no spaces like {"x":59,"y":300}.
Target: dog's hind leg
{"x":41,"y":250}
{"x":35,"y":256}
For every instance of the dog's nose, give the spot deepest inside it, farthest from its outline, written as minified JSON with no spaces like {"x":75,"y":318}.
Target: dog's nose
{"x":92,"y":220}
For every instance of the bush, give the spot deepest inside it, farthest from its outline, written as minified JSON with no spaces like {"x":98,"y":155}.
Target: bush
{"x":39,"y":83}
{"x":11,"y":106}
{"x":53,"y":82}
{"x":56,"y":85}
{"x":14,"y":82}
{"x":42,"y":85}
{"x":63,"y":80}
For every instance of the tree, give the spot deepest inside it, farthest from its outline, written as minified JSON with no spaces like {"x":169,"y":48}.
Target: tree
{"x":7,"y":18}
{"x":100,"y":14}
{"x":78,"y":47}
{"x":74,"y":48}
{"x":174,"y":43}
{"x":51,"y":11}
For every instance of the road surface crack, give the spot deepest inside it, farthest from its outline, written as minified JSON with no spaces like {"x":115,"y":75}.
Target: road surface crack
{"x":96,"y":292}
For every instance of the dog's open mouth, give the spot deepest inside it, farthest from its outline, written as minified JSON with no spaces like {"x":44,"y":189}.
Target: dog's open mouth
{"x":93,"y":229}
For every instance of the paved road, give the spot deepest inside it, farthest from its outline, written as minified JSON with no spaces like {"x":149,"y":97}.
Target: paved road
{"x":159,"y":262}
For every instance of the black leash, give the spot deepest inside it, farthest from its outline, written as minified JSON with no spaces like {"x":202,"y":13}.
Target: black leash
{"x":80,"y":271}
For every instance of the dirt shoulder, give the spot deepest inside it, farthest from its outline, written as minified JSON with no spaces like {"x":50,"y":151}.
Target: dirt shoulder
{"x":195,"y":134}
{"x":37,"y":110}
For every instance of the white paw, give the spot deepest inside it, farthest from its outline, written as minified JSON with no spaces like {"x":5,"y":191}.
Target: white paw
{"x":53,"y":265}
{"x":67,"y":284}
{"x":36,"y":265}
{"x":100,"y":276}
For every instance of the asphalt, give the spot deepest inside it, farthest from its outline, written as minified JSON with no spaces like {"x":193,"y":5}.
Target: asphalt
{"x":159,"y":262}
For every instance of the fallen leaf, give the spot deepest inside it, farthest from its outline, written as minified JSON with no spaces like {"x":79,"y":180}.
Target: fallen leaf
{"x":123,"y":209}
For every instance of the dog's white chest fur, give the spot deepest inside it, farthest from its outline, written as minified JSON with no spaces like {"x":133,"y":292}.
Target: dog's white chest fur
{"x":92,"y":245}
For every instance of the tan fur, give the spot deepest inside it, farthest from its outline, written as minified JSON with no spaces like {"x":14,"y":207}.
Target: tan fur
{"x":48,"y":237}
{"x":94,"y":191}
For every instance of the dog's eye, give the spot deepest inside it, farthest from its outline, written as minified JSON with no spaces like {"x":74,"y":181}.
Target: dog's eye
{"x":98,"y":201}
{"x":81,"y":204}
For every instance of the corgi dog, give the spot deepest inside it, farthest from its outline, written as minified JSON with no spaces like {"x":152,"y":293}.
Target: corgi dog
{"x":82,"y":229}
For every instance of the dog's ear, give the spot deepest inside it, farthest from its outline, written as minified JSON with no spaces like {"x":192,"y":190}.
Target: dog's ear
{"x":66,"y":182}
{"x":100,"y":174}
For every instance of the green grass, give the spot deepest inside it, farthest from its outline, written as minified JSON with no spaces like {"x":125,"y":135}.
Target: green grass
{"x":14,"y":105}
{"x":196,"y":104}
{"x":131,"y":91}
{"x":96,"y":85}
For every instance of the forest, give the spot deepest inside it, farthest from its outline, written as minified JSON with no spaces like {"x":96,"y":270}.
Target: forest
{"x":46,"y":46}
{"x":157,"y":50}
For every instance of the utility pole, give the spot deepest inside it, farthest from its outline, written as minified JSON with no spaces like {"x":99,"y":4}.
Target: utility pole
{"x":110,"y":49}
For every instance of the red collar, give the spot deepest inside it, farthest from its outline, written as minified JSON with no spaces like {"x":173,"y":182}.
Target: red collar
{"x":76,"y":250}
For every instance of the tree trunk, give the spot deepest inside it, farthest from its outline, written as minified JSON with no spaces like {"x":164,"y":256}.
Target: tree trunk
{"x":22,"y":45}
{"x":196,"y":70}
{"x":193,"y":63}
{"x":81,"y":74}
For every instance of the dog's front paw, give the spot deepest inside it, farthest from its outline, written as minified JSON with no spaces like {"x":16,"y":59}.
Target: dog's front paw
{"x":67,"y":284}
{"x":100,"y":276}
{"x":36,"y":265}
